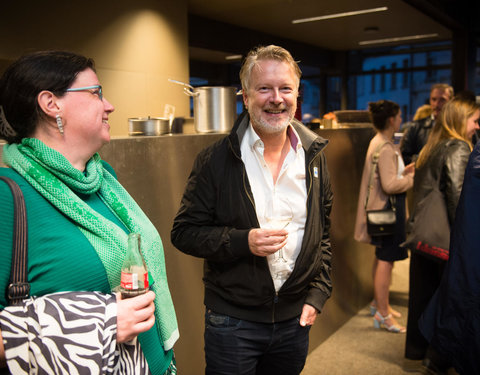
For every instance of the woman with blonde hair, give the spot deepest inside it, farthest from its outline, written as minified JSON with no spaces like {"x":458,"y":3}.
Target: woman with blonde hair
{"x":441,"y":164}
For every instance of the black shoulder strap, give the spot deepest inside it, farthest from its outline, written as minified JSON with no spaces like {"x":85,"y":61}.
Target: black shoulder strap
{"x":19,"y":287}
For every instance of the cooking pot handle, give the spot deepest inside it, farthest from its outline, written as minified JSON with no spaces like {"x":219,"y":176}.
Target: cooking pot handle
{"x":180,"y":83}
{"x":190,"y":93}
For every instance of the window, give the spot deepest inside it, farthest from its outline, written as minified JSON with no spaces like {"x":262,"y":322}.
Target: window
{"x":404,"y":112}
{"x":431,"y":72}
{"x":393,"y":83}
{"x":382,"y":79}
{"x":405,"y":74}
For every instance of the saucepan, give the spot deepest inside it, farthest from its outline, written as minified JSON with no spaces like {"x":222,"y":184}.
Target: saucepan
{"x":214,"y":107}
{"x":148,"y":126}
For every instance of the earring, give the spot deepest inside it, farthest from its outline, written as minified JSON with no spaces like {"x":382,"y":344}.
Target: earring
{"x":59,"y":123}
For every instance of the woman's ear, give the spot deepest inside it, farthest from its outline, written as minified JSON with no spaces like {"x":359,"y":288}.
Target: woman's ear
{"x":391,"y":121}
{"x":48,"y":103}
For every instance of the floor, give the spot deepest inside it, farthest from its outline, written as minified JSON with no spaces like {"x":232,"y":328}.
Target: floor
{"x":358,"y":348}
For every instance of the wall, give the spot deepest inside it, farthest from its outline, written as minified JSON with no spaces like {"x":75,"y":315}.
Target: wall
{"x":137,"y":46}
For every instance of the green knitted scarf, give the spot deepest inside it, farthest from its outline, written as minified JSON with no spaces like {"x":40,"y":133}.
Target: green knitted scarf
{"x":52,"y":175}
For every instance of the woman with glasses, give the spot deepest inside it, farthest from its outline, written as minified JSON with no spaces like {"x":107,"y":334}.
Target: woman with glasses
{"x":55,"y":119}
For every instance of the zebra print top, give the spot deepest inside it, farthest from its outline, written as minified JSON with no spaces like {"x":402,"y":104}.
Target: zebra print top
{"x":68,"y":333}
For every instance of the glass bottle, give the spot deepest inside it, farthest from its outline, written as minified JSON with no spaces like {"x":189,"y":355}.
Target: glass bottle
{"x":134,"y":278}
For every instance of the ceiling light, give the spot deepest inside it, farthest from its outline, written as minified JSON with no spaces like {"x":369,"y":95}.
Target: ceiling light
{"x":338,"y":15}
{"x":397,"y":39}
{"x":233,"y":57}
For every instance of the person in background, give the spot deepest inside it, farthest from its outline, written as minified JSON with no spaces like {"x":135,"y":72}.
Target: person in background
{"x":466,"y":96}
{"x":55,"y":119}
{"x":422,"y":112}
{"x":416,"y":135}
{"x":391,"y":178}
{"x":443,"y":158}
{"x":265,"y":282}
{"x":451,"y":321}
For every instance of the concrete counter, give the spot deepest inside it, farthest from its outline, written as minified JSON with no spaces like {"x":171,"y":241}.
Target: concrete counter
{"x":155,"y":169}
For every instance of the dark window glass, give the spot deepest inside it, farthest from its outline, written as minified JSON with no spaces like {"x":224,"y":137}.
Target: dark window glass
{"x":393,"y":83}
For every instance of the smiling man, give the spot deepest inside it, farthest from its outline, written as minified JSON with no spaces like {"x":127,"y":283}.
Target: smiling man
{"x":257,"y":209}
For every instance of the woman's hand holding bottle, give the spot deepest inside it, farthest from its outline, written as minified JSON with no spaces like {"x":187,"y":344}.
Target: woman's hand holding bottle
{"x":134,"y":315}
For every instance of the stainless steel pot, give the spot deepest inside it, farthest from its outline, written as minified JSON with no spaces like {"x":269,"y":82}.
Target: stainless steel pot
{"x":214,"y":107}
{"x":148,"y":126}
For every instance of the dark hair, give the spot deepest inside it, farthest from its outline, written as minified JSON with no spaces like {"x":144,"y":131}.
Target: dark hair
{"x":380,"y":111}
{"x":25,"y":78}
{"x":466,"y":96}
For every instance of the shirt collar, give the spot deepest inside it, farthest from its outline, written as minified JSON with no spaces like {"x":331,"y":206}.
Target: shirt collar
{"x":254,"y":140}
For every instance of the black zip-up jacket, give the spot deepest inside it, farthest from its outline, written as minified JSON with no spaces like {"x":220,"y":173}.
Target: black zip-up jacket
{"x":415,"y":138}
{"x":218,"y":211}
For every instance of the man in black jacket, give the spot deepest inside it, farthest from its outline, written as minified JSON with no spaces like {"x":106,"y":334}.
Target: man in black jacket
{"x":257,"y":209}
{"x":416,"y":135}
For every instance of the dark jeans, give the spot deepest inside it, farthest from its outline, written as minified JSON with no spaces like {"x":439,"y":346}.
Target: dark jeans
{"x":234,"y":346}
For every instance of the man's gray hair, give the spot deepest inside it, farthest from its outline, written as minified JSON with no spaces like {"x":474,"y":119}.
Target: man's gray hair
{"x":262,"y":53}
{"x":443,"y":87}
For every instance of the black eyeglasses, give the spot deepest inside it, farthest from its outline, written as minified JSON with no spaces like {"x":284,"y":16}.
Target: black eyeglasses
{"x":97,"y":88}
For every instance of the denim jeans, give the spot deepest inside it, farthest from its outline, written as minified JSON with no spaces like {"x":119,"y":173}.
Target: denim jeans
{"x":239,"y":347}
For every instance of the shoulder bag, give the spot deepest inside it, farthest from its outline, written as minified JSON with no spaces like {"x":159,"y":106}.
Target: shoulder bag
{"x":34,"y":331}
{"x":379,"y":222}
{"x":429,"y":228}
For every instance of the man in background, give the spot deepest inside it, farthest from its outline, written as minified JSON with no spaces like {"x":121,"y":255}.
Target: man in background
{"x":416,"y":135}
{"x":257,"y":209}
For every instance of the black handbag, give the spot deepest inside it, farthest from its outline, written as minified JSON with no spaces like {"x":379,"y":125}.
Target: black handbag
{"x":380,"y":222}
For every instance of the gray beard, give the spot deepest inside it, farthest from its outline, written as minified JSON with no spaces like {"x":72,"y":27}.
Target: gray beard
{"x":265,"y":127}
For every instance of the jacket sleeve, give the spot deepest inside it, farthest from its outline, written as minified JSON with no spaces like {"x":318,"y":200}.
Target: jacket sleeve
{"x":321,"y":286}
{"x":387,"y":170}
{"x":454,"y":170}
{"x":195,"y":229}
{"x":408,"y":143}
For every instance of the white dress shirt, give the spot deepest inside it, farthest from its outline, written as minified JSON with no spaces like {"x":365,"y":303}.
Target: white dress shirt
{"x":289,"y":193}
